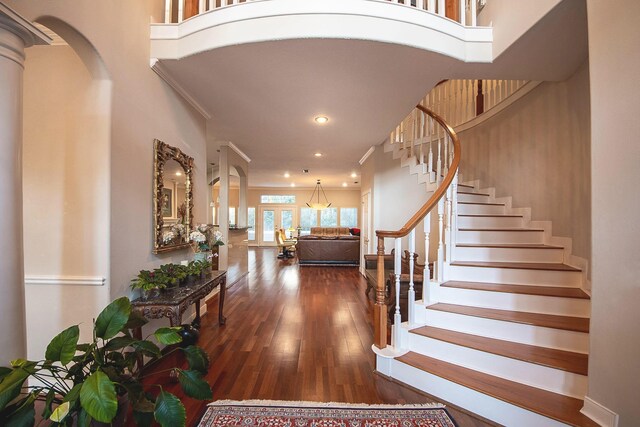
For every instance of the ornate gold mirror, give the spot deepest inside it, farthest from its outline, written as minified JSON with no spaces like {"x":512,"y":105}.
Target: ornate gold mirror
{"x":172,"y":197}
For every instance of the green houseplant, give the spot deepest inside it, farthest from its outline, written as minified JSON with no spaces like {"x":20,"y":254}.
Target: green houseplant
{"x":79,"y":383}
{"x":149,"y":281}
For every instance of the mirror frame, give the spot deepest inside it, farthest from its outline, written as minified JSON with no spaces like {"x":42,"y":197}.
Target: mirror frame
{"x":162,"y":153}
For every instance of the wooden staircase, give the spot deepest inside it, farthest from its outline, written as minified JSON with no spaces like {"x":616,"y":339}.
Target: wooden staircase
{"x":506,"y":332}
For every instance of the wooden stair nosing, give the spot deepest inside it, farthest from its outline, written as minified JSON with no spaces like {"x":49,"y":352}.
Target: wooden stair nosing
{"x":547,"y":291}
{"x":517,"y":265}
{"x":563,"y":360}
{"x":553,"y":321}
{"x":474,"y":194}
{"x":491,"y":215}
{"x":480,"y":203}
{"x":518,"y":230}
{"x":551,"y":405}
{"x":466,"y":185}
{"x":508,"y":245}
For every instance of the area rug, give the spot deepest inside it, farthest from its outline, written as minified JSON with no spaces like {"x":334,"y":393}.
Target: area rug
{"x":274,"y":413}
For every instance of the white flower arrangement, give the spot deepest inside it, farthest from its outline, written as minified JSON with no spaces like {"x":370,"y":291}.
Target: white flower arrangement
{"x":179,"y":229}
{"x":168,"y":236}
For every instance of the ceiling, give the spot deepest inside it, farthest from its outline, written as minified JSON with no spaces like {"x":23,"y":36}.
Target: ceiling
{"x":263,"y":97}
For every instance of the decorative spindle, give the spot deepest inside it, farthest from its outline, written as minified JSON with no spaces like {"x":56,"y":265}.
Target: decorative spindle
{"x":380,"y":309}
{"x":180,"y":10}
{"x":440,"y":261}
{"x":426,"y":279}
{"x":397,"y":270}
{"x":441,"y":8}
{"x":412,"y":293}
{"x":168,"y":6}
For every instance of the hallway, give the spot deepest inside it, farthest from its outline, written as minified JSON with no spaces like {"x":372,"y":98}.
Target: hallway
{"x":297,"y":333}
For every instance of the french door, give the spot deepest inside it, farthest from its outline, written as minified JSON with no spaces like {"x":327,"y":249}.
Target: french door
{"x":272,"y":218}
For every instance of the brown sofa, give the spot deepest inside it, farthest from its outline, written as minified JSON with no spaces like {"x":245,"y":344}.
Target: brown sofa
{"x":329,"y":246}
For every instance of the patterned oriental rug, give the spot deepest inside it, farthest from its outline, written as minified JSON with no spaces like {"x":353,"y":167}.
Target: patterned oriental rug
{"x":274,"y":413}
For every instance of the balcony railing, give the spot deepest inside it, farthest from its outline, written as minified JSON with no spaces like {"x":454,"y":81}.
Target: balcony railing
{"x":177,"y":11}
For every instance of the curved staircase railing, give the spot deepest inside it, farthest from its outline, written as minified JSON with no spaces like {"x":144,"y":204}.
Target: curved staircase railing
{"x":426,"y":133}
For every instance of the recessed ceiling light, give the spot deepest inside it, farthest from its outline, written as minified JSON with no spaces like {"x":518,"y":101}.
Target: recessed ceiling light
{"x":321,"y":119}
{"x":293,"y":184}
{"x":178,"y":174}
{"x":344,"y":184}
{"x":318,"y":154}
{"x":353,"y":174}
{"x":287,"y":175}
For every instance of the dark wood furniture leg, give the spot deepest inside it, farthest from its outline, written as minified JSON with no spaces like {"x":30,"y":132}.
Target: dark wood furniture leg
{"x":223,"y":290}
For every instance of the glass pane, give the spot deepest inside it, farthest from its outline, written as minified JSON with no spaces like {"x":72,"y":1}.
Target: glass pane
{"x":277,"y":198}
{"x":349,"y":217}
{"x":329,"y":217}
{"x":308,"y":219}
{"x":268,"y":220}
{"x":251,"y":223}
{"x":287,"y":222}
{"x":232,"y":216}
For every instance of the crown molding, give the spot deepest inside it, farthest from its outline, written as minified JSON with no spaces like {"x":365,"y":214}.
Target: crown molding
{"x":238,"y":151}
{"x":367,"y":154}
{"x":161,"y":71}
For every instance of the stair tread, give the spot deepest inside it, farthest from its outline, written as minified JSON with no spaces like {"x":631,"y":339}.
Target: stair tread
{"x":508,"y":245}
{"x":481,"y":203}
{"x":537,"y":230}
{"x":569,"y":361}
{"x":554,"y":321}
{"x":474,"y":194}
{"x":517,"y":265}
{"x":549,"y":291}
{"x":552,"y":405}
{"x":491,"y":215}
{"x":465,"y":185}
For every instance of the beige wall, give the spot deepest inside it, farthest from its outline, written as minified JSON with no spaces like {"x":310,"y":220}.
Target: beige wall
{"x":66,"y":207}
{"x":142,"y":108}
{"x":614,"y":362}
{"x":537,"y":151}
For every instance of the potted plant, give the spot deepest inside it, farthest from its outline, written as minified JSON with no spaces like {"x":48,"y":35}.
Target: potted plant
{"x":82,"y":383}
{"x":175,"y":273}
{"x":150,"y":282}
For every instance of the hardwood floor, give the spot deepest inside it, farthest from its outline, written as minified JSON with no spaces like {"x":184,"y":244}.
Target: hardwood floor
{"x":296,"y":333}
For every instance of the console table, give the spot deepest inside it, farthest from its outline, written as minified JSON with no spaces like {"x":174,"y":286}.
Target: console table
{"x":173,"y":303}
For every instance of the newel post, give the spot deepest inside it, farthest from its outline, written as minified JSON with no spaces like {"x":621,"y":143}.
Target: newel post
{"x":380,"y":308}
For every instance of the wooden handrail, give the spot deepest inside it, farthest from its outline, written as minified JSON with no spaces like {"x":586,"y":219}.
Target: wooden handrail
{"x":440,"y":191}
{"x":380,"y":307}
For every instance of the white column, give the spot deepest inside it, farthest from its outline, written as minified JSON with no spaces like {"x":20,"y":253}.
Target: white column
{"x":15,"y":35}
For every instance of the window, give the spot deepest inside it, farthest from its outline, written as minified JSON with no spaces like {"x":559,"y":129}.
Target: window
{"x":329,"y":217}
{"x":251,"y":223}
{"x":277,"y":198}
{"x":308,"y":219}
{"x":349,"y":217}
{"x":232,"y":216}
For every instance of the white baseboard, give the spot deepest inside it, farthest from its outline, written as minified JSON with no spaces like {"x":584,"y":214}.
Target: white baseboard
{"x":598,"y":413}
{"x":65,"y":280}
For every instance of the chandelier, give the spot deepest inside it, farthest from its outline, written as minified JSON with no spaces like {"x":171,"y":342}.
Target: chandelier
{"x":317,"y":205}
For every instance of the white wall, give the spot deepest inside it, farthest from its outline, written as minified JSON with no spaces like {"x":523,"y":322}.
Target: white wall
{"x":614,"y":362}
{"x":537,"y":151}
{"x":143,"y":107}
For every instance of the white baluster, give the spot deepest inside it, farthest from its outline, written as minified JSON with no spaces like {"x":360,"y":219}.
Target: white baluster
{"x":445,"y":168}
{"x":397,"y":269}
{"x":474,"y":13}
{"x":430,"y":158}
{"x":454,"y":216}
{"x":431,"y":6}
{"x":447,"y":228}
{"x":420,"y":4}
{"x":463,"y":12}
{"x":412,"y":293}
{"x":441,"y":10}
{"x":421,"y":136}
{"x":180,"y":10}
{"x":440,"y":260}
{"x":439,"y":159}
{"x":202,"y":6}
{"x":426,"y":280}
{"x":168,"y":6}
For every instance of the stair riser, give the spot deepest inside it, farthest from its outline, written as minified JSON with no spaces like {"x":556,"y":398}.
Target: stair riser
{"x":554,"y":380}
{"x":476,"y":198}
{"x":515,"y":302}
{"x":500,"y":237}
{"x":490,"y":222}
{"x":473,"y":401}
{"x":514,"y":276}
{"x":509,"y":255}
{"x":464,"y":209}
{"x":510,"y":331}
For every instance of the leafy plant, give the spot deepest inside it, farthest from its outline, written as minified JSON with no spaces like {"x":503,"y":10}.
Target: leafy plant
{"x":174,"y":273}
{"x":79,"y":383}
{"x":147,"y":280}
